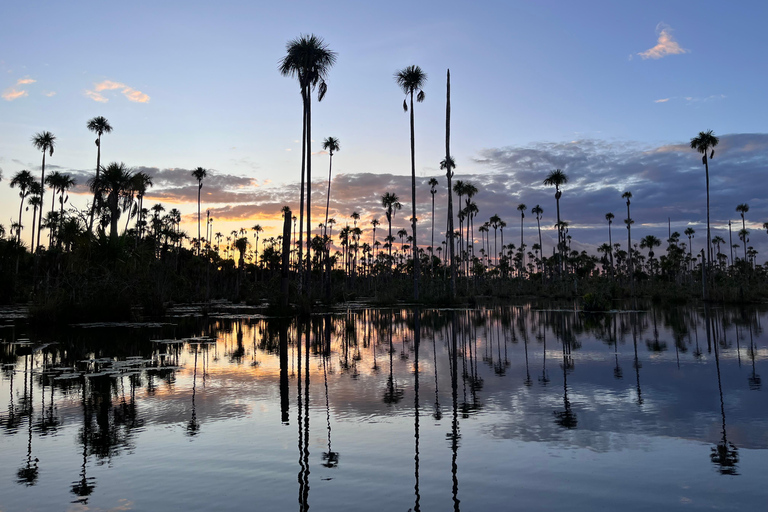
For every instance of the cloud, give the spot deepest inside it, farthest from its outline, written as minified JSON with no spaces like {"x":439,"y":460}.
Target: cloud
{"x":50,"y":94}
{"x":663,"y":100}
{"x":12,"y":93}
{"x":108,"y":85}
{"x":665,"y":45}
{"x":667,"y":183}
{"x":25,"y":81}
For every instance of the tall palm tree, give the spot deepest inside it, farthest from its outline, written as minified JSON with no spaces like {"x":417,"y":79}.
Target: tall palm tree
{"x":199,"y":174}
{"x":609,"y":217}
{"x":628,"y":221}
{"x":391,"y":204}
{"x":141,"y":182}
{"x":704,"y":143}
{"x":332,"y":145}
{"x":411,"y":80}
{"x":495,"y":220}
{"x":448,"y":164}
{"x":309,"y":59}
{"x":557,"y":178}
{"x":742,"y":209}
{"x":649,"y":242}
{"x":23,"y":180}
{"x":689,"y":232}
{"x":257,"y":230}
{"x":45,"y":142}
{"x":98,"y":125}
{"x":538,"y":211}
{"x":109,"y":188}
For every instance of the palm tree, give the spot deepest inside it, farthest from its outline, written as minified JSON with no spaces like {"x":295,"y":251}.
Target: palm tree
{"x":557,"y":178}
{"x":199,"y":174}
{"x":109,"y":187}
{"x":628,"y":221}
{"x":471,"y":210}
{"x":23,"y":180}
{"x":704,"y":143}
{"x":391,"y":204}
{"x":308,"y":59}
{"x":35,"y":201}
{"x":141,"y":182}
{"x":717,"y":241}
{"x":521,"y":208}
{"x":538,"y":211}
{"x":257,"y":229}
{"x":689,"y":232}
{"x":411,"y":80}
{"x":609,"y":217}
{"x":649,"y":242}
{"x":98,"y":125}
{"x":495,"y":220}
{"x":742,"y":209}
{"x":433,"y":190}
{"x":45,"y":142}
{"x":331,"y":144}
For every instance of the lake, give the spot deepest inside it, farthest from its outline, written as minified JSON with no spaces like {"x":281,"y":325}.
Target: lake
{"x":535,"y":406}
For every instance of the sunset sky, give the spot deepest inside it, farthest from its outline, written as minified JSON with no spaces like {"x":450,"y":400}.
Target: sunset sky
{"x":610,"y":92}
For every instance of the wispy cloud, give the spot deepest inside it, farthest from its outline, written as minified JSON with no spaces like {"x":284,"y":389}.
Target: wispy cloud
{"x":663,"y":100}
{"x":109,"y":85}
{"x":50,"y":94}
{"x":666,"y":45}
{"x":12,"y":93}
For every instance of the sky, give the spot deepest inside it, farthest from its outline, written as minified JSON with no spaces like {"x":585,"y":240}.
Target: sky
{"x":610,"y":92}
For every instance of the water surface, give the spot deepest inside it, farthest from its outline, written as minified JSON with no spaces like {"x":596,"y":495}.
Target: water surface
{"x":529,"y":407}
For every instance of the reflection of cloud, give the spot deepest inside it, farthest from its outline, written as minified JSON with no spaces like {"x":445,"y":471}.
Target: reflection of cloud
{"x":12,"y":93}
{"x":665,"y":45}
{"x":109,"y":85}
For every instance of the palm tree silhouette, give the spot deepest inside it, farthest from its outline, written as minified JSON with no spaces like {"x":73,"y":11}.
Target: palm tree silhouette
{"x":111,"y":186}
{"x":391,"y":204}
{"x":628,"y":221}
{"x":199,"y":174}
{"x":742,"y":209}
{"x":538,"y":211}
{"x":45,"y":142}
{"x":411,"y":80}
{"x":448,"y":164}
{"x":331,"y":144}
{"x":23,"y":180}
{"x":521,"y":208}
{"x":433,"y":190}
{"x":308,"y":59}
{"x":98,"y":125}
{"x":704,"y":143}
{"x":557,"y":178}
{"x":35,"y":202}
{"x":609,"y":217}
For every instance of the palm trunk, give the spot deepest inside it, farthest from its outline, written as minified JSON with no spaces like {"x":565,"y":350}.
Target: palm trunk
{"x":559,"y":234}
{"x":744,"y":239}
{"x":449,"y":173}
{"x":21,"y":207}
{"x":300,"y":260}
{"x":98,"y":167}
{"x":40,"y":213}
{"x":610,"y":246}
{"x":34,"y":219}
{"x":199,"y":242}
{"x":432,"y":243}
{"x":53,"y":208}
{"x":629,"y":244}
{"x":415,"y":249}
{"x":541,"y":247}
{"x":309,"y":192}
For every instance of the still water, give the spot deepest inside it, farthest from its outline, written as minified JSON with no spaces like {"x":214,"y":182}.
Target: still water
{"x":528,"y":407}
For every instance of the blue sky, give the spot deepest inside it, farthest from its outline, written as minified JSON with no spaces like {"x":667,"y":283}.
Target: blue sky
{"x":188,"y":84}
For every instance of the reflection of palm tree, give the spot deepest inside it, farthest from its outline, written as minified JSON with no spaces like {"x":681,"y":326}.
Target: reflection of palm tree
{"x":754,"y":379}
{"x":28,"y":474}
{"x":725,"y":455}
{"x":393,"y":394}
{"x":416,"y":341}
{"x":637,"y":364}
{"x":566,"y":418}
{"x":454,"y":435}
{"x":330,"y":458}
{"x":193,"y":427}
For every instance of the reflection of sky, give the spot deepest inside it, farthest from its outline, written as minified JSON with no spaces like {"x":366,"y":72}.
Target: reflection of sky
{"x":237,"y":404}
